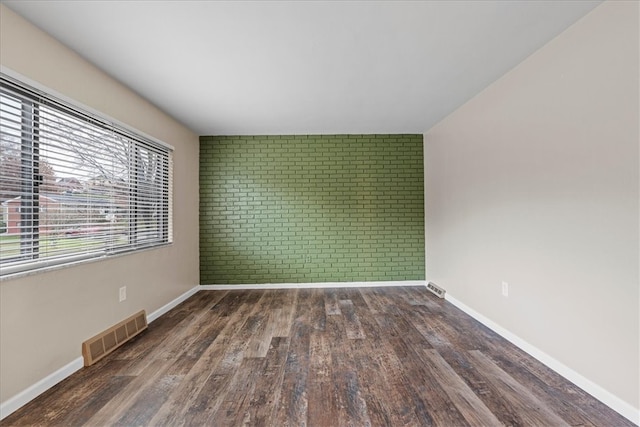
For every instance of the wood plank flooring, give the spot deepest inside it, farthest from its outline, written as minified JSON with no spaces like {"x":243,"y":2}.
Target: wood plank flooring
{"x":316,"y":357}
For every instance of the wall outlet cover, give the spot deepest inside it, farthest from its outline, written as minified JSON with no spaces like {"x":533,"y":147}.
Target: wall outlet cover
{"x":505,"y":289}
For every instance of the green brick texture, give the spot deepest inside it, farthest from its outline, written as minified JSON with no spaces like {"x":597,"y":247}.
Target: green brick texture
{"x":311,"y":208}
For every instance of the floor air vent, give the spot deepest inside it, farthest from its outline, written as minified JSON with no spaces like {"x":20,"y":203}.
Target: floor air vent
{"x":105,"y":342}
{"x":436,"y":289}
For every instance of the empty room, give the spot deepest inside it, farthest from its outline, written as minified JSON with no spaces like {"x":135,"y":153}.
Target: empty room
{"x":320,"y":213}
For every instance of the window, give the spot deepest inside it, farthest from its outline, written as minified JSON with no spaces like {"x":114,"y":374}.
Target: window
{"x":74,"y":185}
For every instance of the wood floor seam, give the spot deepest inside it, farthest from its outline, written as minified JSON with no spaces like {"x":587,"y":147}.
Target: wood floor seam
{"x":395,"y":356}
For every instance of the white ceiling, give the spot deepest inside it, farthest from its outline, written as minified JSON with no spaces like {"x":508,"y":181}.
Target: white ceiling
{"x":302,"y":67}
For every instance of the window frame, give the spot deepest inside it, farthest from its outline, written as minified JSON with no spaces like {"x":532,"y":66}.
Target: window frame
{"x":35,"y":96}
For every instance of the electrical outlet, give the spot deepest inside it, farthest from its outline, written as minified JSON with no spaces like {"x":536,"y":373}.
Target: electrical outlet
{"x":505,"y":289}
{"x":123,"y":293}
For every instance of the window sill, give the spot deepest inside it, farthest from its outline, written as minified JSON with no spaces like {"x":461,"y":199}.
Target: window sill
{"x":21,"y":274}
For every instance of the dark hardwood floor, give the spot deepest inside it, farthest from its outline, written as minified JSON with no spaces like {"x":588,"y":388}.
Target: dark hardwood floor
{"x":326,"y":357}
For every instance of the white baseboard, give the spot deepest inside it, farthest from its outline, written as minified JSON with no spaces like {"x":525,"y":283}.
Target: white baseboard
{"x":19,"y":400}
{"x":319,"y":285}
{"x":165,"y":308}
{"x":606,"y":397}
{"x":14,"y":403}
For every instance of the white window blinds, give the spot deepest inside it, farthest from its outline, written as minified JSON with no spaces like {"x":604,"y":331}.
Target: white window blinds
{"x":73,"y":185}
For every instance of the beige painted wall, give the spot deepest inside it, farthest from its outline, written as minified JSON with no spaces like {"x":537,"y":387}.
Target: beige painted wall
{"x":535,"y":182}
{"x":45,"y":317}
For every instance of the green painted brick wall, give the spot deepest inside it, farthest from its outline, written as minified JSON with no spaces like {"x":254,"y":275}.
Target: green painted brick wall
{"x":311,"y":208}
